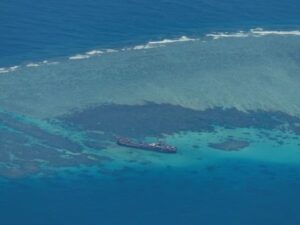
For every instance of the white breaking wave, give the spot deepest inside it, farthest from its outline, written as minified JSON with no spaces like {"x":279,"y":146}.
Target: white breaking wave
{"x":140,"y":47}
{"x":155,"y":44}
{"x":86,"y":55}
{"x":37,"y":64}
{"x":32,"y":65}
{"x":94,"y":52}
{"x":257,"y":32}
{"x":169,"y":41}
{"x":9,"y":69}
{"x":79,"y":56}
{"x":111,"y":50}
{"x":14,"y":67}
{"x":263,"y":32}
{"x":216,"y":36}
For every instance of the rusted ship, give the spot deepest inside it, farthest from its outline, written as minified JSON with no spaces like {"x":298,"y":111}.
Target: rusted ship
{"x":156,"y":146}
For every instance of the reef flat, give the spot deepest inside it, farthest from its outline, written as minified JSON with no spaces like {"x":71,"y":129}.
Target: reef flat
{"x":249,"y":74}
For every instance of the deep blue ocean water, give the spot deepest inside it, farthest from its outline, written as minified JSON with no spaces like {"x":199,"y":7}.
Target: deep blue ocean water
{"x":243,"y":199}
{"x":257,"y":186}
{"x":35,"y":30}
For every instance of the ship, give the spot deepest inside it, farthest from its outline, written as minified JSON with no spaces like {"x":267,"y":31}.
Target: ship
{"x":156,"y":146}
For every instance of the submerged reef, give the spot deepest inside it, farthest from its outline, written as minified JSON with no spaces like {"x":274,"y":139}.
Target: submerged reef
{"x":151,"y":119}
{"x":28,"y":149}
{"x":230,"y":145}
{"x":32,"y":146}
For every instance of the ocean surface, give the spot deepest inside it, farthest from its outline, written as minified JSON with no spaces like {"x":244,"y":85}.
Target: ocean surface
{"x":217,"y":79}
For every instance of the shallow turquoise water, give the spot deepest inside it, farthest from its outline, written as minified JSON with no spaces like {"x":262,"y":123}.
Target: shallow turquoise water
{"x":217,"y":189}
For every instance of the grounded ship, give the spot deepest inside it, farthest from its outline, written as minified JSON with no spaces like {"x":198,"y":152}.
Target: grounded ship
{"x":157,"y":146}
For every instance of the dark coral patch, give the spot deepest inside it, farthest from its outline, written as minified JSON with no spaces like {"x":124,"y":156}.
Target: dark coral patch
{"x":152,"y":119}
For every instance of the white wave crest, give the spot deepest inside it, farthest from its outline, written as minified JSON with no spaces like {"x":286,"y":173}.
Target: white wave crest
{"x":9,"y":69}
{"x":239,"y":34}
{"x":32,"y":65}
{"x":140,"y":47}
{"x":155,"y":44}
{"x":257,"y":32}
{"x":13,"y":68}
{"x":263,"y":32}
{"x":168,"y":41}
{"x":94,"y":52}
{"x":79,"y":56}
{"x":111,"y":50}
